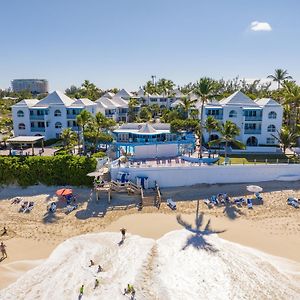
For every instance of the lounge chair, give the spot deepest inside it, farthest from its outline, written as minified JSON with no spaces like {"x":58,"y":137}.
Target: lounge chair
{"x":293,"y":202}
{"x":29,"y":207}
{"x":171,"y":204}
{"x":208,"y":203}
{"x":23,"y":206}
{"x":16,"y":200}
{"x":70,"y":208}
{"x":258,"y":196}
{"x":249,"y":203}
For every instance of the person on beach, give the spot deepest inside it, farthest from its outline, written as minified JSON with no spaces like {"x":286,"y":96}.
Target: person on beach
{"x":4,"y":232}
{"x":132,"y":293}
{"x":123,"y":232}
{"x":3,"y":250}
{"x":100,"y":269}
{"x":91,"y":263}
{"x":96,"y":283}
{"x":81,"y":290}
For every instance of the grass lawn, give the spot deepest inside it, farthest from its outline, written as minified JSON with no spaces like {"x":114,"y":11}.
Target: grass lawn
{"x":260,"y":158}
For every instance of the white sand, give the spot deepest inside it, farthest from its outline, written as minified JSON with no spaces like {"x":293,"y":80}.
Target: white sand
{"x":181,"y":265}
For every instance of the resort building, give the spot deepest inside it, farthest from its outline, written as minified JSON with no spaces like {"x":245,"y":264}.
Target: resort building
{"x":35,"y":86}
{"x":258,"y":120}
{"x":115,"y":106}
{"x":143,"y":140}
{"x":48,"y":116}
{"x":161,"y":100}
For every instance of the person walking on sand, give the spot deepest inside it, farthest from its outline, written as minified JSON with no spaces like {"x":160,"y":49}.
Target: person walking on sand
{"x":91,"y":263}
{"x":100,"y":269}
{"x":3,"y":250}
{"x":96,"y":283}
{"x":81,"y":290}
{"x":123,"y":232}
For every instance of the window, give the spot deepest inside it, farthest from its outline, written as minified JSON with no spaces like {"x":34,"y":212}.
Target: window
{"x":22,"y":126}
{"x":271,"y":128}
{"x":58,"y":125}
{"x":232,"y":114}
{"x":271,"y":141}
{"x":20,"y":113}
{"x":57,"y":113}
{"x":272,"y":115}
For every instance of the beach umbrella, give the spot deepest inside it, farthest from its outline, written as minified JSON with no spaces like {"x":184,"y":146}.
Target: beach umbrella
{"x":64,"y":192}
{"x":95,"y":174}
{"x":254,"y":188}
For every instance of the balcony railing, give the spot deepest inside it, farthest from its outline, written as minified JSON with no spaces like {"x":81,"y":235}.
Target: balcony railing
{"x":253,"y":118}
{"x":71,"y":117}
{"x":37,"y":117}
{"x":217,"y":117}
{"x":252,"y":131}
{"x":37,"y":129}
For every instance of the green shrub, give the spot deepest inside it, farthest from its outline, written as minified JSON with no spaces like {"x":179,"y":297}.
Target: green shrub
{"x":49,"y":170}
{"x":99,"y":154}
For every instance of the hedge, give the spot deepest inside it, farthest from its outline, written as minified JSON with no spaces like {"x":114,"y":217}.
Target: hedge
{"x":48,"y":170}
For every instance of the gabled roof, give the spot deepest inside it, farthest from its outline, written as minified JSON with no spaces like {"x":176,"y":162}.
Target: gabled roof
{"x":147,"y":128}
{"x":176,"y":103}
{"x":26,"y":102}
{"x":123,"y":94}
{"x":57,"y":98}
{"x":106,"y":103}
{"x":177,"y":93}
{"x":108,"y":95}
{"x":238,"y":98}
{"x":267,"y":102}
{"x":119,"y":102}
{"x":140,"y":93}
{"x":83,"y":102}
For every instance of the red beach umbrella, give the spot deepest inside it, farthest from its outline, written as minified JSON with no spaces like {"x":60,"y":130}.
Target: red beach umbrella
{"x":64,"y":192}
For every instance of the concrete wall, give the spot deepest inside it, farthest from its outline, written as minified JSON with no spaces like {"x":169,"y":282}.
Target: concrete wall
{"x":190,"y":175}
{"x":153,"y":151}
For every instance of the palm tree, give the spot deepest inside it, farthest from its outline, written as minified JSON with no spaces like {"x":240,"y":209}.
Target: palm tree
{"x":286,"y":138}
{"x":186,"y":105}
{"x":90,"y":90}
{"x":204,"y":89}
{"x":279,"y":76}
{"x":291,"y":94}
{"x":132,"y":105}
{"x":164,"y":86}
{"x":211,"y":124}
{"x":229,"y":131}
{"x":68,"y":137}
{"x":83,"y":119}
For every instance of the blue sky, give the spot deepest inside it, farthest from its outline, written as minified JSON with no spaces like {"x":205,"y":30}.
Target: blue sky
{"x":121,"y":43}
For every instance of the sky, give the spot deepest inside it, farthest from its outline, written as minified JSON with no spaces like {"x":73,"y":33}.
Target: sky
{"x":121,"y":43}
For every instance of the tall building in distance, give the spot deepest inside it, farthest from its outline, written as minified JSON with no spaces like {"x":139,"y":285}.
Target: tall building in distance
{"x":35,"y":86}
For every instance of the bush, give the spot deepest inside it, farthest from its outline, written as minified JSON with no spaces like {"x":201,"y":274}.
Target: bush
{"x":99,"y":154}
{"x":49,"y":170}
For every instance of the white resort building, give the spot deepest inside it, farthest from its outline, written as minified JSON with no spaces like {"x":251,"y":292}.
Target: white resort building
{"x":49,"y":116}
{"x":258,"y":120}
{"x":114,"y":106}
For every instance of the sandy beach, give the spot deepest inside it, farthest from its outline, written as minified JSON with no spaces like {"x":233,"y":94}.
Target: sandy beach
{"x":273,"y":227}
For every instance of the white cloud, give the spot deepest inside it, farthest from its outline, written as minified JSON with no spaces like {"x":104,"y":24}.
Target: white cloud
{"x":260,"y":26}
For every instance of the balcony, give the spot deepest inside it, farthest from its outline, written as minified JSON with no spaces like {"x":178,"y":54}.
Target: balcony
{"x":37,"y":129}
{"x":37,"y":117}
{"x":252,"y":131}
{"x":253,"y":118}
{"x":71,"y":117}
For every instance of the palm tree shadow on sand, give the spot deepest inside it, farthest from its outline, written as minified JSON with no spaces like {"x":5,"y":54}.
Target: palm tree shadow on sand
{"x":198,"y":238}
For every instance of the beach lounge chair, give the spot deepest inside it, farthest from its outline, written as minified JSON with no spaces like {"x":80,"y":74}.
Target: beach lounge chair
{"x":249,"y":203}
{"x":208,"y":203}
{"x":29,"y":207}
{"x":258,"y":196}
{"x":16,"y":200}
{"x":23,"y":206}
{"x":293,"y":202}
{"x":52,"y":207}
{"x":70,"y":208}
{"x":171,"y":204}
